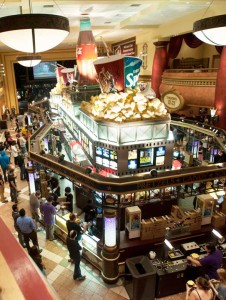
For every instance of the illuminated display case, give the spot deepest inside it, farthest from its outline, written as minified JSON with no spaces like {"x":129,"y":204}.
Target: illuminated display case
{"x":132,"y":221}
{"x":88,"y":242}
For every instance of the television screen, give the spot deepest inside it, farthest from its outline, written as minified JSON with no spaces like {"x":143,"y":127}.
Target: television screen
{"x":45,"y":70}
{"x":106,"y":153}
{"x":99,"y":151}
{"x":160,"y":151}
{"x":106,"y":162}
{"x":160,"y":160}
{"x":132,"y":154}
{"x":99,"y":160}
{"x":113,"y":155}
{"x":132,"y":164}
{"x":113,"y":165}
{"x":145,"y":157}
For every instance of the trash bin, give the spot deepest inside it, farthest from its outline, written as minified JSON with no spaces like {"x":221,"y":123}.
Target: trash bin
{"x":142,"y":284}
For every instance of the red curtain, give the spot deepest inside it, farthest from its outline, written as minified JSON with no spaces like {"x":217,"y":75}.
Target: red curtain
{"x":219,"y":49}
{"x":192,"y":41}
{"x":175,"y":46}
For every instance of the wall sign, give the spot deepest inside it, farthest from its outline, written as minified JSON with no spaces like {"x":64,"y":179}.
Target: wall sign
{"x":173,"y":100}
{"x":126,"y":47}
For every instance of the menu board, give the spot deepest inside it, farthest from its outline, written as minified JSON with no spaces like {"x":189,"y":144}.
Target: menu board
{"x":107,"y":158}
{"x":160,"y":151}
{"x":146,"y":157}
{"x":132,"y":159}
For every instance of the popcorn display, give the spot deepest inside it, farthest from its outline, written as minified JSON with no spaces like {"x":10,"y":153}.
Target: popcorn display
{"x":130,"y":105}
{"x":57,"y":90}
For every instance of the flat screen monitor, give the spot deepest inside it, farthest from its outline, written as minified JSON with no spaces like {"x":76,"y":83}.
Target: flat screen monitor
{"x":132,"y":164}
{"x":160,"y":160}
{"x":99,"y":160}
{"x":113,"y":165}
{"x":106,"y":153}
{"x":99,"y":151}
{"x":160,"y":151}
{"x":145,"y":157}
{"x":106,"y":162}
{"x":132,"y":154}
{"x":45,"y":70}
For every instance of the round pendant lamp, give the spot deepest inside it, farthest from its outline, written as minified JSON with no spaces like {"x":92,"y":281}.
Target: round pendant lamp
{"x":29,"y":61}
{"x":211,"y":30}
{"x":32,"y":33}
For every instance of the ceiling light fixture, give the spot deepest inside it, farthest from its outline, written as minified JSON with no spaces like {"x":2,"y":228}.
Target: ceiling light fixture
{"x":29,"y":61}
{"x":211,"y":30}
{"x":33,"y":33}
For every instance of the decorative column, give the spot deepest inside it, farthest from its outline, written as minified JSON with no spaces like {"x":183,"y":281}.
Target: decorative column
{"x":159,"y":65}
{"x":220,"y":92}
{"x":110,"y":252}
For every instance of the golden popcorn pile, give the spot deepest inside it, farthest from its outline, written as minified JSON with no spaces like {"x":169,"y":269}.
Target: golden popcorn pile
{"x":57,"y":90}
{"x":131,"y":105}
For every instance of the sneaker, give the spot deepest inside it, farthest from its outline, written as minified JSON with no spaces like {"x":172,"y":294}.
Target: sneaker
{"x":81,"y":278}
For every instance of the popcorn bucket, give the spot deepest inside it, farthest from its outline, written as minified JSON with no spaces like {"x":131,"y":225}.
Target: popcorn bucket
{"x":117,"y":72}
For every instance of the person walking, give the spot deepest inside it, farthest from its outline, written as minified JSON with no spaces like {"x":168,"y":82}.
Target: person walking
{"x":15,"y":215}
{"x":74,"y":252}
{"x":14,"y":151}
{"x":49,"y":213}
{"x":27,"y":227}
{"x":12,"y":186}
{"x":4,"y":162}
{"x":21,"y":165}
{"x":35,"y":208}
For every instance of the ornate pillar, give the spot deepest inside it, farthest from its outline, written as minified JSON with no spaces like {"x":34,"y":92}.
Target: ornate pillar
{"x":110,"y":252}
{"x":220,"y":92}
{"x":159,"y":65}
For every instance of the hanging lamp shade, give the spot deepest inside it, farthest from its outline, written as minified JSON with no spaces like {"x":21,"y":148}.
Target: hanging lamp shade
{"x":33,"y":33}
{"x":29,"y":61}
{"x":211,"y":30}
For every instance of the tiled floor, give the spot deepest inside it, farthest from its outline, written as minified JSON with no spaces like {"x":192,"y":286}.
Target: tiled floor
{"x":59,"y":270}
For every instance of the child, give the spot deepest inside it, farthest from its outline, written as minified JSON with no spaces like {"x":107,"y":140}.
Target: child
{"x":34,"y":252}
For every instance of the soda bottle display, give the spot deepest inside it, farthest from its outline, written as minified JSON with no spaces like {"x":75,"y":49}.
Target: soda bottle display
{"x":86,"y":53}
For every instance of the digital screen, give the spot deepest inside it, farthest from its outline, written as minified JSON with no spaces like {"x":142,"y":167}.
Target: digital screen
{"x":99,"y":160}
{"x":113,"y":165}
{"x":45,"y":70}
{"x":160,"y":160}
{"x":145,"y":157}
{"x":132,"y":164}
{"x":113,"y":155}
{"x":176,"y":153}
{"x":99,"y":151}
{"x":160,"y":151}
{"x":106,"y":153}
{"x":132,"y":154}
{"x":106,"y":162}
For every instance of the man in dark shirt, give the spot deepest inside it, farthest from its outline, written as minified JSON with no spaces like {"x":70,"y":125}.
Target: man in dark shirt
{"x":12,"y":186}
{"x":90,"y":212}
{"x":69,"y":199}
{"x":74,"y":251}
{"x":15,"y":215}
{"x":73,"y":225}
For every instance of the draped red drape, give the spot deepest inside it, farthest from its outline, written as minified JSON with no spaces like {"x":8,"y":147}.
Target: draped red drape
{"x":191,"y":40}
{"x":174,"y":46}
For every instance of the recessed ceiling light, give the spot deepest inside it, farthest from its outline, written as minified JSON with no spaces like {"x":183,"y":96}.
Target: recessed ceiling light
{"x":107,"y":22}
{"x":48,"y":6}
{"x":135,"y":5}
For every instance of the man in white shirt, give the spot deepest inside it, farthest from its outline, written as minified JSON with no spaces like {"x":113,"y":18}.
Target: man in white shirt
{"x":22,"y":142}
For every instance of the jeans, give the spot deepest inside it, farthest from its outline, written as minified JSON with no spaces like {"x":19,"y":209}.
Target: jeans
{"x":31,"y":236}
{"x":49,"y":232}
{"x":13,"y":194}
{"x":22,"y":172}
{"x":4,"y":174}
{"x":77,"y":270}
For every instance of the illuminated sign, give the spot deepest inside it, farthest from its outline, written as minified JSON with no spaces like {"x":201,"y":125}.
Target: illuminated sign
{"x":145,"y":157}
